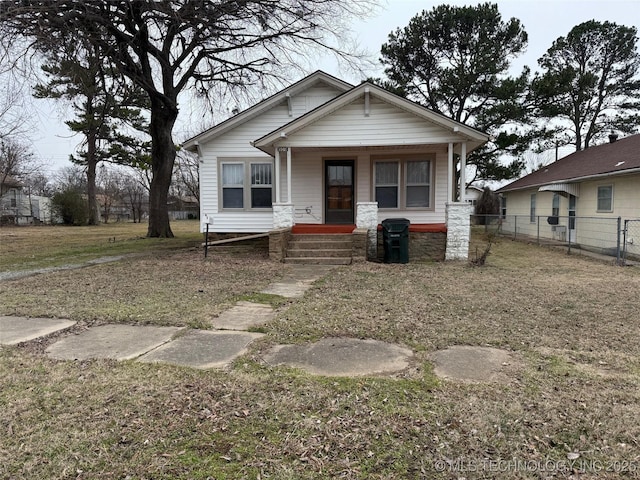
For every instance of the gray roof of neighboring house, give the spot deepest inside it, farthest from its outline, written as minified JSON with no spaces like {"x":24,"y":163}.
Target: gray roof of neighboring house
{"x":617,"y":158}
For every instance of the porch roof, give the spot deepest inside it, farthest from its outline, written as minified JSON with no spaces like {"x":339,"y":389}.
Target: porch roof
{"x":455,"y":132}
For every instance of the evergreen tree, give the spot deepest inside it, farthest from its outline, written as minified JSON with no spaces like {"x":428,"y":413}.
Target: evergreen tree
{"x":589,"y":83}
{"x":454,"y":60}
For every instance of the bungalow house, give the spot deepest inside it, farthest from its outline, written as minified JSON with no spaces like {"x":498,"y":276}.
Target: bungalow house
{"x":324,"y":156}
{"x":580,"y":196}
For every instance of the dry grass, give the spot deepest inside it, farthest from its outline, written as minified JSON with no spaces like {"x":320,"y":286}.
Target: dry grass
{"x":571,"y":324}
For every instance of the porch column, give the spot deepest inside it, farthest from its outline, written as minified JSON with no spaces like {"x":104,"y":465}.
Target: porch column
{"x":288,"y":174}
{"x":277,"y":175}
{"x":450,"y":175}
{"x":367,"y":218}
{"x":458,"y":217}
{"x":463,"y":171}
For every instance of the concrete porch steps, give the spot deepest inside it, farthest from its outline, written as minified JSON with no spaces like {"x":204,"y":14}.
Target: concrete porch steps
{"x":320,"y":249}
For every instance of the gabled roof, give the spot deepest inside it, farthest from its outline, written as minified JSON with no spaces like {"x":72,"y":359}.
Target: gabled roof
{"x":474,"y":137}
{"x":270,"y":102}
{"x":617,"y":158}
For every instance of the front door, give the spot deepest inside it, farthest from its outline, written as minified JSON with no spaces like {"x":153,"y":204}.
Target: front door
{"x":338,"y":190}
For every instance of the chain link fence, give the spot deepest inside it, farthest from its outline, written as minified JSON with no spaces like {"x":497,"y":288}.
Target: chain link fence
{"x":611,"y":236}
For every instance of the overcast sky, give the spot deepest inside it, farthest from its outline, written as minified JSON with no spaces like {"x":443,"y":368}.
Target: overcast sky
{"x":544,"y":21}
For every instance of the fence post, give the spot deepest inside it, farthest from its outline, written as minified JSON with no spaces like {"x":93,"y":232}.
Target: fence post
{"x":515,"y":226}
{"x":538,"y":230}
{"x":569,"y":233}
{"x":618,"y":246}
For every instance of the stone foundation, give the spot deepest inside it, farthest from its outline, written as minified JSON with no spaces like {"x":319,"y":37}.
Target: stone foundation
{"x":423,"y":246}
{"x":278,"y":243}
{"x":359,"y":246}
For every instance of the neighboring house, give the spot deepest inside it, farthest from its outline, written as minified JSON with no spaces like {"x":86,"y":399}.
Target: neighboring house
{"x":18,"y":207}
{"x":473,"y":194}
{"x":322,"y":153}
{"x":183,"y":207}
{"x":579,"y":196}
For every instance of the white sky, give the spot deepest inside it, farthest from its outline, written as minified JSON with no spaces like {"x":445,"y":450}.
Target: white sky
{"x":544,"y":21}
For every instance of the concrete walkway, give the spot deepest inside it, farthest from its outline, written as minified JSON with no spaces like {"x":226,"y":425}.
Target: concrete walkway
{"x":216,"y":348}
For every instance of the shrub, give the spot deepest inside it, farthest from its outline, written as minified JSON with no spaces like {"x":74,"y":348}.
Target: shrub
{"x":70,"y":207}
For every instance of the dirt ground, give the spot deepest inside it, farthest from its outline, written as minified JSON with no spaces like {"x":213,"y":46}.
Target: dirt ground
{"x":566,"y":409}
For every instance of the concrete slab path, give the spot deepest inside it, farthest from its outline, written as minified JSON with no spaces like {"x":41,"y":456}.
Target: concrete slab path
{"x":243,"y":316}
{"x":119,"y":342}
{"x":202,"y":349}
{"x":342,"y":357}
{"x":15,"y":330}
{"x":471,"y":364}
{"x":297,"y":280}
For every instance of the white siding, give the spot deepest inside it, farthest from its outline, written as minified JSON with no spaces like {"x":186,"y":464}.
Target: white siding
{"x":237,"y":143}
{"x":386,"y":125}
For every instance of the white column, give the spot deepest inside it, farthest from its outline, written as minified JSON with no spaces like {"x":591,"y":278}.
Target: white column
{"x":289,"y":175}
{"x":463,"y":170}
{"x":450,"y":175}
{"x":277,"y":175}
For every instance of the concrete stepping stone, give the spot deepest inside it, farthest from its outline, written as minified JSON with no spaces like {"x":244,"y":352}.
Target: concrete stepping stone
{"x":342,"y":357}
{"x":15,"y":330}
{"x":297,"y":280}
{"x":471,"y":364}
{"x":119,"y":342}
{"x":243,"y":316}
{"x":202,"y":349}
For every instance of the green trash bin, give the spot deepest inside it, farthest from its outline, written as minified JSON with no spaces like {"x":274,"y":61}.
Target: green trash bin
{"x":395,"y":236}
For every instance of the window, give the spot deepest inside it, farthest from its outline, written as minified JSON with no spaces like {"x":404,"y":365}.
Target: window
{"x":418,"y":184}
{"x":503,"y":207}
{"x":555,"y":205}
{"x":254,"y":175}
{"x":605,"y":198}
{"x":386,"y":178}
{"x":232,"y":185}
{"x":261,"y":196}
{"x":532,"y":210}
{"x":402,"y":183}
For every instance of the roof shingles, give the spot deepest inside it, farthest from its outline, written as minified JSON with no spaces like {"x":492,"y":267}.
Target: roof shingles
{"x":609,"y":158}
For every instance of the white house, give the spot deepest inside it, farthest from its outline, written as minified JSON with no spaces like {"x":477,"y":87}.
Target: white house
{"x":327,"y":156}
{"x":580,"y":197}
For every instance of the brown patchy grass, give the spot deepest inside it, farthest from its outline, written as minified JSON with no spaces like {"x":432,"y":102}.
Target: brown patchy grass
{"x":571,"y":324}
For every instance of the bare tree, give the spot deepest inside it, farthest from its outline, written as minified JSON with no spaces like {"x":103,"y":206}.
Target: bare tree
{"x":168,"y":47}
{"x":16,"y":160}
{"x":186,"y":175}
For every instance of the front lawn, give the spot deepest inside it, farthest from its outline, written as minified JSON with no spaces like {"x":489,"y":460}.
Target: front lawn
{"x":568,"y":406}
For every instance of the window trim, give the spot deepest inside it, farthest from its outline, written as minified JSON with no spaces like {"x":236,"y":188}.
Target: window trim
{"x":248,"y":186}
{"x":402,"y":161}
{"x":610,"y":187}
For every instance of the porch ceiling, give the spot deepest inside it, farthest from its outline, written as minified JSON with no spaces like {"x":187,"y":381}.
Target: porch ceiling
{"x":377,"y":148}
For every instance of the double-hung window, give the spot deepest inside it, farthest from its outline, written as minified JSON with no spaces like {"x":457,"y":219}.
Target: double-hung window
{"x":402,"y":183}
{"x":387,"y":176}
{"x":605,"y":198}
{"x":246,"y":184}
{"x":555,"y":205}
{"x":261,"y":188}
{"x":418,"y":183}
{"x":232,"y":185}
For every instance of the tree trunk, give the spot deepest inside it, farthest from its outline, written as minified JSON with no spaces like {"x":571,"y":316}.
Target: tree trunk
{"x":94,"y":210}
{"x":163,"y":154}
